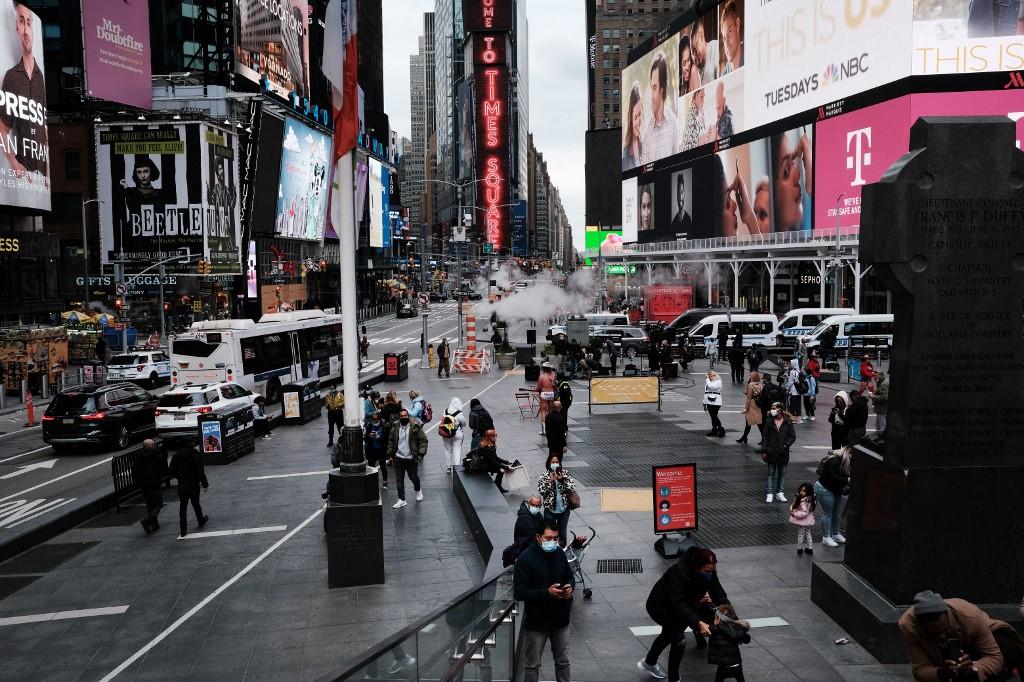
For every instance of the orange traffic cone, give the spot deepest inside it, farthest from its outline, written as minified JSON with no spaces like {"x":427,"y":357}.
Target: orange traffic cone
{"x":30,"y":408}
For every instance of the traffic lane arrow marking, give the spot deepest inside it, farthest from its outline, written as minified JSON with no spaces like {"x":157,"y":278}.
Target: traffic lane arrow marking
{"x":48,"y":464}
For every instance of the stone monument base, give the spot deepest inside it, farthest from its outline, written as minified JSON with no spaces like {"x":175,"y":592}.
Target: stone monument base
{"x":355,"y":544}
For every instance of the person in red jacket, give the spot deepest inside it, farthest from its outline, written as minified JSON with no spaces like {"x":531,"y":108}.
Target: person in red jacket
{"x":867,"y":372}
{"x":814,"y":366}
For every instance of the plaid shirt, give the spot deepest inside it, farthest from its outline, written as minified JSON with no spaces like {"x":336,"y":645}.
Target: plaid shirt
{"x":661,"y":139}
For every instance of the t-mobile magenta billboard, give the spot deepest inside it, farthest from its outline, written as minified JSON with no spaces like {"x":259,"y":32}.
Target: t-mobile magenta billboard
{"x":117,"y":55}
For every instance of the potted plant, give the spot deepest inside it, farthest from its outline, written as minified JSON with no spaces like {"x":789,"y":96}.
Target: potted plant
{"x":504,"y":352}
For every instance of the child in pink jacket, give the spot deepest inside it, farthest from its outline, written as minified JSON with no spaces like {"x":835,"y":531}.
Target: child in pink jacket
{"x":801,"y":515}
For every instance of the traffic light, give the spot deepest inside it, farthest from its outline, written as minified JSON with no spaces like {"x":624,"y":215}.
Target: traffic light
{"x":118,"y":302}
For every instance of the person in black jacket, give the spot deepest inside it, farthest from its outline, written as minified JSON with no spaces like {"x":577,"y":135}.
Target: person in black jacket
{"x":554,"y":428}
{"x":727,"y":634}
{"x":736,"y":356}
{"x":565,"y":396}
{"x":187,"y":467}
{"x":492,"y":464}
{"x":543,"y":581}
{"x":830,"y":491}
{"x":149,"y":470}
{"x":779,"y":436}
{"x":856,"y":418}
{"x":480,"y":421}
{"x":683,"y":598}
{"x":529,"y":519}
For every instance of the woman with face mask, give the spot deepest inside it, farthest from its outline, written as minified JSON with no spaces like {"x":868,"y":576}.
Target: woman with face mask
{"x":684,"y":597}
{"x":713,"y":403}
{"x":555,"y":487}
{"x":779,"y":436}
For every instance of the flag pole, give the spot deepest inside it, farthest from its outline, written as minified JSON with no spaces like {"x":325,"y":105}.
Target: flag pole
{"x":352,"y":459}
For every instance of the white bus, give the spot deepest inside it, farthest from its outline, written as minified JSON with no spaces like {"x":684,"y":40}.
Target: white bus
{"x":261,"y":356}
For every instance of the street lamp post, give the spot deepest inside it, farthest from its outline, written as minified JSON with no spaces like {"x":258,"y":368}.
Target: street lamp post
{"x":85,"y":255}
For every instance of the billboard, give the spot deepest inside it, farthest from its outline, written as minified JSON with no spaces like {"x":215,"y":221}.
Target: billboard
{"x":385,"y":206}
{"x":858,"y":147}
{"x":25,"y":164}
{"x":117,"y":59}
{"x":467,"y":131}
{"x":487,"y":15}
{"x":377,"y":205}
{"x":629,"y":210}
{"x":967,"y":36}
{"x":167,"y":187}
{"x":520,"y":230}
{"x":272,"y":44}
{"x":675,"y":497}
{"x":491,"y":83}
{"x":302,"y":190}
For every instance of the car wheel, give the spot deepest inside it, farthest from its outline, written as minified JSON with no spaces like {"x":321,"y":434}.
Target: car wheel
{"x":154,"y":380}
{"x":123,"y":437}
{"x":273,"y":391}
{"x":631,"y":352}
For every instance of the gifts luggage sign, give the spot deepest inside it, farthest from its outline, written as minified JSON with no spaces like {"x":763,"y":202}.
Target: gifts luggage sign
{"x":674,"y":487}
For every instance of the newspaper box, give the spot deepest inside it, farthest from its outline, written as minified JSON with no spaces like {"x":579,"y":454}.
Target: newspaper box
{"x":302,"y":401}
{"x":396,"y":366}
{"x":226,"y":434}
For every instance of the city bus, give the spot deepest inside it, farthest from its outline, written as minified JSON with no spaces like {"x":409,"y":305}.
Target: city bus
{"x":260,"y":356}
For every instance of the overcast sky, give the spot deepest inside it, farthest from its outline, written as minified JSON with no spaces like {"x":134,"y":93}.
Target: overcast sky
{"x":558,"y":87}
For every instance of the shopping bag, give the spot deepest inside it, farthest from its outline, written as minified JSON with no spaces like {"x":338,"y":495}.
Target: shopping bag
{"x":517,"y":478}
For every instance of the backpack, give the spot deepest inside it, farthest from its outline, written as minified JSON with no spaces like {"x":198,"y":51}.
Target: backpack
{"x":448,"y":425}
{"x":801,"y":385}
{"x":472,"y":463}
{"x":428,"y":412}
{"x":771,"y":393}
{"x":510,"y":554}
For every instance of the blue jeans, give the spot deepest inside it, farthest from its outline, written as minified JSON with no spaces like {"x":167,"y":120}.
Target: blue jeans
{"x":776,"y":479}
{"x":563,"y":524}
{"x":574,"y":366}
{"x":832,"y":508}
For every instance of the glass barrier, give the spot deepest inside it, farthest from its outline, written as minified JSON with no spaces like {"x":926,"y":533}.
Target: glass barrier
{"x":470,"y":640}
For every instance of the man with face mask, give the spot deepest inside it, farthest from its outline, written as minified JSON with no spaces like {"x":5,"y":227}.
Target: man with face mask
{"x":544,"y":583}
{"x":407,"y":445}
{"x":529,"y":518}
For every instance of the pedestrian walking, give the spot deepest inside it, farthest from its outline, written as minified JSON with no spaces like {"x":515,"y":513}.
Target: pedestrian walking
{"x":832,"y":489}
{"x":364,"y":347}
{"x":751,"y":412}
{"x":557,"y":489}
{"x":723,"y":341}
{"x":561,"y":347}
{"x":418,"y":407}
{"x":755,"y":356}
{"x":810,"y":398}
{"x":545,"y":392}
{"x":613,"y":354}
{"x":711,"y":351}
{"x":431,"y":356}
{"x":796,"y":385}
{"x":101,"y":349}
{"x":390,"y":409}
{"x":683,"y":598}
{"x":260,"y":419}
{"x":654,"y":357}
{"x":867,"y":372}
{"x":828,"y":343}
{"x":713,"y":403}
{"x":444,"y":358}
{"x":801,"y":515}
{"x":335,"y":402}
{"x":779,"y":436}
{"x":880,"y":400}
{"x":736,"y":356}
{"x":544,"y":582}
{"x":838,"y":419}
{"x":492,"y":463}
{"x":480,"y":422}
{"x":856,"y":418}
{"x":452,"y":430}
{"x":727,"y":633}
{"x":554,"y":428}
{"x":574,"y":356}
{"x":565,"y":397}
{"x":148,"y":471}
{"x":187,"y":466}
{"x":375,"y":445}
{"x":407,"y":446}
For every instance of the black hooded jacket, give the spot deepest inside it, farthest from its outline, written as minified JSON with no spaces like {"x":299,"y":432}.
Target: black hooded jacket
{"x":673,"y":600}
{"x":724,"y":645}
{"x":527,"y":525}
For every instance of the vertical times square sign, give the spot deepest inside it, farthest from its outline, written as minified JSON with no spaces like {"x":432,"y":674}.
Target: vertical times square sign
{"x":490,"y":23}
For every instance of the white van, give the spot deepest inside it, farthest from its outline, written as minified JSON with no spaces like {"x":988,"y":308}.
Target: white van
{"x":853,"y":330}
{"x":760,"y":328}
{"x":800,"y":321}
{"x":607,"y":320}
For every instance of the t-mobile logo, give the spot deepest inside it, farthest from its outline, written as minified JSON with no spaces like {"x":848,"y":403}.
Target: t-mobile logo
{"x":861,"y":155}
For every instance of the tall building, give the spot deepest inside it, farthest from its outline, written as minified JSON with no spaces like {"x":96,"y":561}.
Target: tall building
{"x":421,"y":99}
{"x":614,"y":27}
{"x":448,"y":72}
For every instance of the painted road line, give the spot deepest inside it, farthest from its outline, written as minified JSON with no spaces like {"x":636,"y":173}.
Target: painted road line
{"x":816,"y":447}
{"x":209,"y":598}
{"x":30,"y":452}
{"x":18,"y":512}
{"x":63,"y":615}
{"x":304,"y":473}
{"x":54,"y":480}
{"x":237,"y":531}
{"x":25,"y":468}
{"x":15,"y":433}
{"x":651,"y":630}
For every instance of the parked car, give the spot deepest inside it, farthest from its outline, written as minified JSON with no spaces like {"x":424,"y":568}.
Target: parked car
{"x":438,"y":297}
{"x":464,"y":295}
{"x":106,"y":414}
{"x":149,"y":366}
{"x":177,"y":413}
{"x":632,"y":341}
{"x":407,"y":309}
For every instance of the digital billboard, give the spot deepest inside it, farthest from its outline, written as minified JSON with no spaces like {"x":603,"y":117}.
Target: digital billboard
{"x":117,"y":59}
{"x":272,"y":44}
{"x":487,"y":15}
{"x":24,"y":143}
{"x":467,"y":131}
{"x":167,"y":187}
{"x":967,"y":36}
{"x":302,"y":187}
{"x":377,"y":206}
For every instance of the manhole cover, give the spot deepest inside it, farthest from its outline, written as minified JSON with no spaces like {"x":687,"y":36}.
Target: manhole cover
{"x":620,"y":566}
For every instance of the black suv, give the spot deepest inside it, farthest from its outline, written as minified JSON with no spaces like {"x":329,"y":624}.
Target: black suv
{"x":97,"y":413}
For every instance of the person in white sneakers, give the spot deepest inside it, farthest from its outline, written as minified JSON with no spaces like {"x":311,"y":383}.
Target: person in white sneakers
{"x":831,"y":490}
{"x":407,"y":446}
{"x":452,"y":430}
{"x":779,"y":436}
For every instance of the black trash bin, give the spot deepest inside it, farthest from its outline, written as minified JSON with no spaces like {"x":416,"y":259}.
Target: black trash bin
{"x":396,"y":366}
{"x":301,"y":401}
{"x":226,"y":434}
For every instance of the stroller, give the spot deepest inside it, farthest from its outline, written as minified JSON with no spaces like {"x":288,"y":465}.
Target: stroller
{"x":575,"y":552}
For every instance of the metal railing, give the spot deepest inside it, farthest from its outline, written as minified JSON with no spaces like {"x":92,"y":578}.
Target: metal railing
{"x":473,"y":639}
{"x":827,"y":237}
{"x":371,"y":311}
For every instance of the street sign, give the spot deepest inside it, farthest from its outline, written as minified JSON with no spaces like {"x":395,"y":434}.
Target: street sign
{"x":488,"y":247}
{"x":424,"y":299}
{"x":120,"y":288}
{"x":126,"y":306}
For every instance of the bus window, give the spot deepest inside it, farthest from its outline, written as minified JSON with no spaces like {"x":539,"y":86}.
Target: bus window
{"x":193,"y":348}
{"x":265,"y":353}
